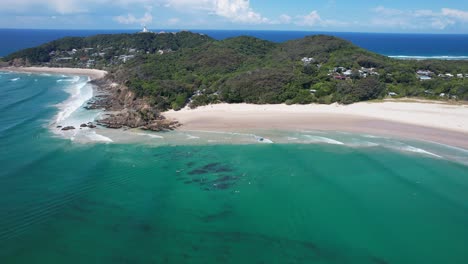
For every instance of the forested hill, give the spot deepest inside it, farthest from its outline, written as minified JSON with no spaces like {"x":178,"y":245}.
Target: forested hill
{"x":174,"y":69}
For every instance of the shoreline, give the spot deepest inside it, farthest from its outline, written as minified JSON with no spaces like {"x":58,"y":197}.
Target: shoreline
{"x":439,"y":123}
{"x":93,"y":74}
{"x":430,"y":121}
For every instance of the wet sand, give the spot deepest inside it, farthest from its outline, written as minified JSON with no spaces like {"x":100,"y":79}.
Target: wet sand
{"x":437,"y":122}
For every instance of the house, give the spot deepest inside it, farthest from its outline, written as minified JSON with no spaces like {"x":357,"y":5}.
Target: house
{"x":90,"y":63}
{"x":348,"y":73}
{"x":442,"y":95}
{"x":125,"y":58}
{"x":460,"y":75}
{"x":339,"y":69}
{"x":392,"y":94}
{"x":449,"y":75}
{"x":64,"y":59}
{"x":307,"y":61}
{"x":313,"y":91}
{"x":424,"y":77}
{"x":424,"y":72}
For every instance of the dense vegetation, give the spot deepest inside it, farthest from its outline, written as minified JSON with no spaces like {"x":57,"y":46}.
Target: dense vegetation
{"x":172,"y":70}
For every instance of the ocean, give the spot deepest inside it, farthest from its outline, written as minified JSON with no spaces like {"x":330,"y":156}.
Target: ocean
{"x":88,"y":196}
{"x":419,"y":46}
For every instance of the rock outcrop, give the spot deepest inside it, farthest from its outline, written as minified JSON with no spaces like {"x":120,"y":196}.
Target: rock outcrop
{"x":126,"y":109}
{"x":68,"y":128}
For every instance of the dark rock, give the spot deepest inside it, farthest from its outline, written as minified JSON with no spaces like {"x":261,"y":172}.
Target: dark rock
{"x":59,"y":126}
{"x":68,"y":128}
{"x":83,"y":125}
{"x":130,"y":111}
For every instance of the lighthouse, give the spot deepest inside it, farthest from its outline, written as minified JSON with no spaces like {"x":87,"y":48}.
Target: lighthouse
{"x":145,"y":30}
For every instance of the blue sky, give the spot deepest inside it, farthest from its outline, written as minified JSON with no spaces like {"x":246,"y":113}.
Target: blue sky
{"x":415,"y":16}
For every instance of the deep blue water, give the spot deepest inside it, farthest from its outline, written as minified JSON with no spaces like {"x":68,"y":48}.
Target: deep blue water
{"x":424,"y":45}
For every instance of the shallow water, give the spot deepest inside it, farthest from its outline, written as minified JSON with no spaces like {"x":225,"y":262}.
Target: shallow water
{"x":308,"y":197}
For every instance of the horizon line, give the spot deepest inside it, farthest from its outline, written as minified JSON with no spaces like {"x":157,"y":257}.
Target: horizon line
{"x":271,"y":30}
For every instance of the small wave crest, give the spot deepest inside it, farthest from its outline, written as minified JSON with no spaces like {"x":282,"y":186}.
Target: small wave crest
{"x":319,"y":139}
{"x":263,"y":140}
{"x":15,"y":79}
{"x":404,"y":57}
{"x":149,"y":135}
{"x":75,"y":79}
{"x":93,"y":136}
{"x":78,"y":96}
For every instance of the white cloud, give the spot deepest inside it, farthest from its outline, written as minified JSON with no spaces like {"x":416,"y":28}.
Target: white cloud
{"x":285,"y":19}
{"x":238,"y":11}
{"x":233,"y":10}
{"x":418,"y":19}
{"x":129,"y":19}
{"x":314,"y":19}
{"x":454,"y":13}
{"x":64,"y":6}
{"x":173,"y":21}
{"x":311,"y":19}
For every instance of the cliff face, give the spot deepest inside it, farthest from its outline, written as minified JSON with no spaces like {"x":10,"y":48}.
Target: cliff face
{"x":126,"y":110}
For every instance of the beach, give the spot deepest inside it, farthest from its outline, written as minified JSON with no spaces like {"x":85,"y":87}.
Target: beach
{"x":429,"y":121}
{"x":92,"y":73}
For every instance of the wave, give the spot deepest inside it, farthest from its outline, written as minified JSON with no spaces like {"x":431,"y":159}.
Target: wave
{"x":192,"y":137}
{"x":422,"y":151}
{"x":14,"y":79}
{"x":78,"y":96}
{"x":23,"y":100}
{"x":319,"y":139}
{"x":263,"y":140}
{"x":93,"y":136}
{"x":149,"y":135}
{"x":404,"y":57}
{"x":75,"y":79}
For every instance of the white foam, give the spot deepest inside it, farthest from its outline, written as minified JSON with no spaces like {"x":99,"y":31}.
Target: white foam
{"x":318,"y":139}
{"x":79,"y":94}
{"x":93,"y":136}
{"x":149,"y":135}
{"x":418,"y":150}
{"x":442,"y":57}
{"x":263,"y":140}
{"x":362,"y":143}
{"x":75,"y":79}
{"x":14,"y":79}
{"x":192,"y":137}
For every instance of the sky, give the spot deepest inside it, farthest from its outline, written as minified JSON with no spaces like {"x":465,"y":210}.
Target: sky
{"x":393,"y":16}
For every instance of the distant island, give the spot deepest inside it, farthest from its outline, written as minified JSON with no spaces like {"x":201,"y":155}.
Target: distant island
{"x":153,"y":72}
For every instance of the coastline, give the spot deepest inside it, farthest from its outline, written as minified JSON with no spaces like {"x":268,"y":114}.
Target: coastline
{"x":414,"y":119}
{"x":91,"y":73}
{"x":435,"y":122}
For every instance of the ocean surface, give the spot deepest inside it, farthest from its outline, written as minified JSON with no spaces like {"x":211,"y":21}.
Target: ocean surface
{"x":106,"y":196}
{"x":89,"y":196}
{"x":418,"y":46}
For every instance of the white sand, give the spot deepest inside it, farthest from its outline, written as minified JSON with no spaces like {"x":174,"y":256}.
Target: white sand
{"x":443,"y":123}
{"x":93,"y":74}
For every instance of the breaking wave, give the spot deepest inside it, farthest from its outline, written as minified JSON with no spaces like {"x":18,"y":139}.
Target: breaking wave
{"x":404,"y":57}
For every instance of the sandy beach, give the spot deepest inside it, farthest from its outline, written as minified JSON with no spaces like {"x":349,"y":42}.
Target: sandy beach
{"x":430,"y":121}
{"x":93,"y":74}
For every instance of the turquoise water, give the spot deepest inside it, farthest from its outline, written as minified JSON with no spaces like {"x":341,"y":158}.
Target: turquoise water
{"x":64,"y":201}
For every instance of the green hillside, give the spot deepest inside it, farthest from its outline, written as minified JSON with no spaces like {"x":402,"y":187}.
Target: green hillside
{"x":176,"y":69}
